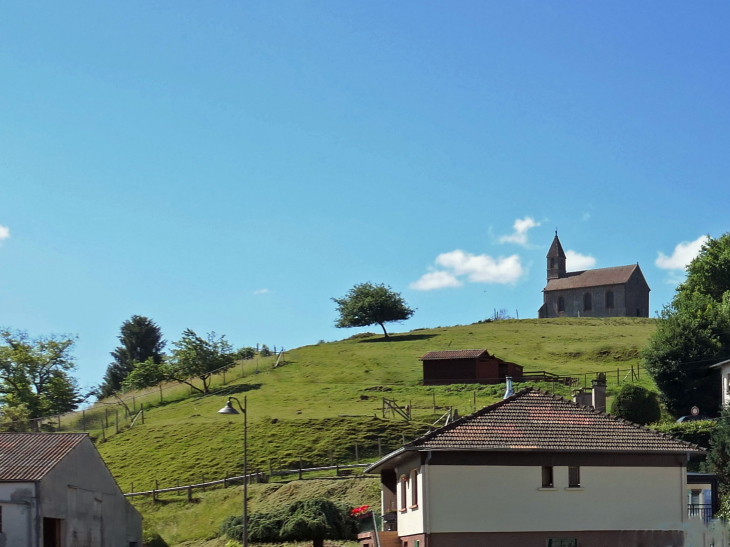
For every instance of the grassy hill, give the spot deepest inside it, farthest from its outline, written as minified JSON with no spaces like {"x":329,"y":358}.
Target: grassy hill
{"x":327,"y":397}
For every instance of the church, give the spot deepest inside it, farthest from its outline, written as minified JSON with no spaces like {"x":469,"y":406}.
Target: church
{"x":621,"y":291}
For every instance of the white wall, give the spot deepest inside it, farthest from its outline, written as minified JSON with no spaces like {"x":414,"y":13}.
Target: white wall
{"x":17,"y":500}
{"x":81,"y":491}
{"x":725,"y":375}
{"x":410,"y":521}
{"x":509,"y":498}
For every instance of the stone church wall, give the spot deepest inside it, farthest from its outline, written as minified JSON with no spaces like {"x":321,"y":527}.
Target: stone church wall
{"x":574,"y":302}
{"x":637,"y":296}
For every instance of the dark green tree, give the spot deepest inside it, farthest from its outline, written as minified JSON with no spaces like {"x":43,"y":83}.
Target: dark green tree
{"x":637,"y":404}
{"x":196,"y":357}
{"x":367,"y":304}
{"x":718,"y":459}
{"x":693,"y":333}
{"x":145,"y":374}
{"x":36,"y":373}
{"x":140,"y":339}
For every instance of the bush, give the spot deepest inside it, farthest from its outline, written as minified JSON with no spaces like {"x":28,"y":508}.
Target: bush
{"x":696,"y":432}
{"x":305,"y":520}
{"x":637,"y":404}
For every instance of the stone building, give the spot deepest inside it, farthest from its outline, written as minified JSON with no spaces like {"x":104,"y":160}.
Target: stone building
{"x":621,"y":291}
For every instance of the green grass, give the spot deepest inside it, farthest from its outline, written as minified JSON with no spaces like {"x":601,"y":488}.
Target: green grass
{"x":327,"y":397}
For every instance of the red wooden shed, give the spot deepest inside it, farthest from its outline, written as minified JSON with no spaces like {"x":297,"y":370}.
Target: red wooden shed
{"x":466,"y":366}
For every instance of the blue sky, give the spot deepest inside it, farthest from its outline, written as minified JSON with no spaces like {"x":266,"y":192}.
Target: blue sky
{"x":231,"y":166}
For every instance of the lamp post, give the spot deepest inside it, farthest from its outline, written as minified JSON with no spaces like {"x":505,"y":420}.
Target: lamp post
{"x":228,"y":409}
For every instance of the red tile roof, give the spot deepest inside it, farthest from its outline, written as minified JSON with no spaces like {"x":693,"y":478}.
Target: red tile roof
{"x":592,"y":278}
{"x":455,"y":354}
{"x":533,"y":420}
{"x":30,"y":456}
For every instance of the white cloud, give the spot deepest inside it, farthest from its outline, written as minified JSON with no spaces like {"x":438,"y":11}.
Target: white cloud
{"x":436,"y":280}
{"x":475,"y":268}
{"x":4,"y":232}
{"x":575,"y":262}
{"x":262,"y":291}
{"x":521,"y":228}
{"x":682,"y":255}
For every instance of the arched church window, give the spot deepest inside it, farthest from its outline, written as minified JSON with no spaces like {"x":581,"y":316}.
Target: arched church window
{"x":561,"y":304}
{"x":587,"y":302}
{"x":609,"y":300}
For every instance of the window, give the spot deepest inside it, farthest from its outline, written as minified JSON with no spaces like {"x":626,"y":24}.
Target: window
{"x":561,"y":304}
{"x":552,"y":263}
{"x":562,"y":542}
{"x":414,"y":488}
{"x":574,"y":477}
{"x":609,"y":300}
{"x":403,"y":492}
{"x":547,"y":476}
{"x":587,"y":302}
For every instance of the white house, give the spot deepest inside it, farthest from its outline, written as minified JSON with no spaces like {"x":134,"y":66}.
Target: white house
{"x":536,"y":470}
{"x":724,"y":368}
{"x":56,"y":491}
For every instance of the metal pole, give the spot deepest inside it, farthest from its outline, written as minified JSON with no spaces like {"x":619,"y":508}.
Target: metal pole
{"x":245,"y":472}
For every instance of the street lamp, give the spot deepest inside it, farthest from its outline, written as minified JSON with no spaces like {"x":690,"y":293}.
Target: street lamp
{"x":228,"y":409}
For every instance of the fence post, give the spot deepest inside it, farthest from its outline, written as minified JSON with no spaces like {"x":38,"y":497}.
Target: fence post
{"x":178,"y":485}
{"x":404,"y":438}
{"x":434,"y":403}
{"x":161,"y":400}
{"x":203,"y":485}
{"x":190,"y":492}
{"x":134,"y":403}
{"x":154,"y":492}
{"x":632,"y":373}
{"x":225,"y":480}
{"x":357,"y":454}
{"x":475,"y":399}
{"x":300,"y":468}
{"x":83,"y":420}
{"x":618,"y":376}
{"x":116,"y":421}
{"x":337,"y":470}
{"x":141,"y":409}
{"x":106,"y":416}
{"x":103,"y":434}
{"x":132,"y":488}
{"x":59,"y":422}
{"x":224,"y":377}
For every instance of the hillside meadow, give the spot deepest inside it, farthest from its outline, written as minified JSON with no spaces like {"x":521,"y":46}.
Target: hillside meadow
{"x":325,"y":398}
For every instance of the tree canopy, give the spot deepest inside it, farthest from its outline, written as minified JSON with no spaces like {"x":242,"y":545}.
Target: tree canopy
{"x":35,"y":373}
{"x":141,"y":339}
{"x":197,"y":357}
{"x":718,"y":458}
{"x":368,"y":304}
{"x":693,"y":333}
{"x":637,"y":404}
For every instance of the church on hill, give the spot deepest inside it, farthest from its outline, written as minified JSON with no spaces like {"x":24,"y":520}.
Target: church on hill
{"x":621,"y":291}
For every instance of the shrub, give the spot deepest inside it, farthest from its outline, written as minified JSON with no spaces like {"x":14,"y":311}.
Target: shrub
{"x":637,"y":404}
{"x":305,"y":520}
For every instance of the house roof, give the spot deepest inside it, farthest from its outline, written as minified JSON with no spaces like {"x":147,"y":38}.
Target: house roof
{"x":455,"y":354}
{"x":592,"y":278}
{"x":721,"y":364}
{"x":556,"y":249}
{"x":531,"y":420}
{"x":30,"y":456}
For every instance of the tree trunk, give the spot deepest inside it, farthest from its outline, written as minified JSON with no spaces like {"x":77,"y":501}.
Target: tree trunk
{"x":382,"y":326}
{"x":317,"y":543}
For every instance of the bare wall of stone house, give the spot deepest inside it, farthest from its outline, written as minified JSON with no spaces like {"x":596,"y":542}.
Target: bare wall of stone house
{"x":17,"y":502}
{"x":637,"y":296}
{"x":574,"y":302}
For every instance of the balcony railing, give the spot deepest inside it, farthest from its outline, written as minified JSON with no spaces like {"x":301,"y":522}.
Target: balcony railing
{"x":701,"y":510}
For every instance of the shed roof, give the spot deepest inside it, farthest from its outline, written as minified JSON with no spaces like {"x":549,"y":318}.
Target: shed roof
{"x":455,"y":354}
{"x":30,"y":456}
{"x":617,"y":275}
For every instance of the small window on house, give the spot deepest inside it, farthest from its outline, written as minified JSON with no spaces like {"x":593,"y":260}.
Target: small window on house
{"x":552,"y":262}
{"x":561,"y":304}
{"x":403,"y":492}
{"x":414,"y":488}
{"x":587,"y":302}
{"x":547,"y":476}
{"x":574,"y":477}
{"x":562,"y":542}
{"x":609,"y":300}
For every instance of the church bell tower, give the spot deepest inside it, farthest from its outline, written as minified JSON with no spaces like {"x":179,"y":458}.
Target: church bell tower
{"x":555,"y":260}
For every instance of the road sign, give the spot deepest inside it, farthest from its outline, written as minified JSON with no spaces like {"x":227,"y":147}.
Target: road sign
{"x":695,"y":411}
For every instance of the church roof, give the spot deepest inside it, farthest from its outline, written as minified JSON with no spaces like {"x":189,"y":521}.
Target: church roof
{"x":592,"y":278}
{"x":556,"y":249}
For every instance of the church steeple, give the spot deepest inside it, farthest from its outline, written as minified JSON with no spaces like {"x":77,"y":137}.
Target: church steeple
{"x":555,"y":259}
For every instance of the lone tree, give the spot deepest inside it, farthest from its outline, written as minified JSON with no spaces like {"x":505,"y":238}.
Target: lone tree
{"x":637,"y":404}
{"x":197,"y":357}
{"x":141,"y":339}
{"x":693,"y":333}
{"x":367,"y":304}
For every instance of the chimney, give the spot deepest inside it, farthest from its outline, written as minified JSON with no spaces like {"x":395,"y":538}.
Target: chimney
{"x":598,"y":394}
{"x":582,"y":398}
{"x":508,"y":392}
